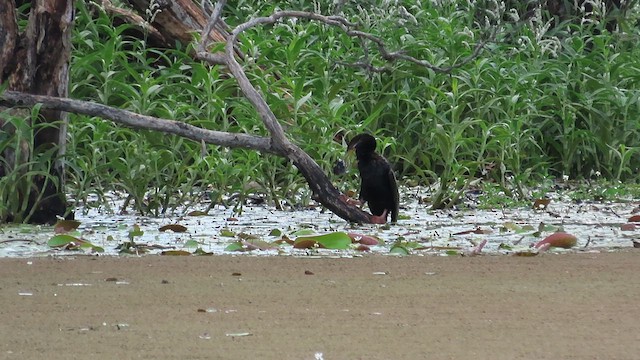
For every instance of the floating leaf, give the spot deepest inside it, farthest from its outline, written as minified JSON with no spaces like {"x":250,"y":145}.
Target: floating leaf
{"x":304,"y":232}
{"x":525,"y":253}
{"x":284,"y":240}
{"x":191,"y":244}
{"x":69,"y":242}
{"x":634,"y":218}
{"x":541,"y":204}
{"x":234,"y":246}
{"x":511,"y":226}
{"x":399,"y":250}
{"x":302,"y":243}
{"x":628,"y":227}
{"x":227,"y":233}
{"x":504,"y":246}
{"x":364,"y":239}
{"x":257,"y":244}
{"x":197,"y":213}
{"x":64,"y":226}
{"x":363,"y":248}
{"x":336,"y":240}
{"x":558,"y":239}
{"x":64,"y":240}
{"x":175,"y":253}
{"x":177,"y":228}
{"x":200,"y":251}
{"x":245,"y":236}
{"x":452,"y":252}
{"x":275,"y":232}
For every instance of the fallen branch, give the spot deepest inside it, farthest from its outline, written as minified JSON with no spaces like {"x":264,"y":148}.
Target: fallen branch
{"x":137,"y":121}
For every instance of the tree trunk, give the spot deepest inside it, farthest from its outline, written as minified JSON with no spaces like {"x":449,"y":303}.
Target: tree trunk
{"x":36,"y":61}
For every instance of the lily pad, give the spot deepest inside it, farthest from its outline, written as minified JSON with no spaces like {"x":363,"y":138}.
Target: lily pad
{"x":177,"y":228}
{"x":336,"y":240}
{"x":364,"y":239}
{"x":65,"y":226}
{"x":558,"y":239}
{"x":176,"y":253}
{"x":69,"y":242}
{"x":235,"y":246}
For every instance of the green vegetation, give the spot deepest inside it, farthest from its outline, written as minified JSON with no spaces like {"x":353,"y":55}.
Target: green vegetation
{"x":538,"y":103}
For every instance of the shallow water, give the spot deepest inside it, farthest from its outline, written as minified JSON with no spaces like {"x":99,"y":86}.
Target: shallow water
{"x":596,"y":225}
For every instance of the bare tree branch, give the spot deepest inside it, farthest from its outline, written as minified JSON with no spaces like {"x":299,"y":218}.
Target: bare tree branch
{"x":131,"y":119}
{"x":349,"y":29}
{"x":213,"y":19}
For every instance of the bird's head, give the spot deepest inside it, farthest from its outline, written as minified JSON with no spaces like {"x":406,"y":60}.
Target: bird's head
{"x":363,"y":144}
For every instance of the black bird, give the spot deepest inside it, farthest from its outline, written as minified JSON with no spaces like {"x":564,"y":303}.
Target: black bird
{"x":378,"y":185}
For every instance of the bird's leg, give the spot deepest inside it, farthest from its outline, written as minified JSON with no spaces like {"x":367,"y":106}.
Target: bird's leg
{"x":379,"y":219}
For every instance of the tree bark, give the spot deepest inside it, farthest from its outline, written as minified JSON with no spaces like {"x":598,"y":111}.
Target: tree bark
{"x":36,"y":61}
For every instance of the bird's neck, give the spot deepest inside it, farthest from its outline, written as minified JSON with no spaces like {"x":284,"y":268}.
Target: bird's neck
{"x":365,"y":156}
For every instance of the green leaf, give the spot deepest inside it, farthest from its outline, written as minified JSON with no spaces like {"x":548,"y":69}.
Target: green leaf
{"x":227,"y":233}
{"x":176,"y":253}
{"x":200,"y":251}
{"x":275,"y":232}
{"x":191,"y":244}
{"x":135,"y":231}
{"x":63,"y":240}
{"x":336,"y":240}
{"x":234,"y":246}
{"x":303,"y":232}
{"x":399,"y":250}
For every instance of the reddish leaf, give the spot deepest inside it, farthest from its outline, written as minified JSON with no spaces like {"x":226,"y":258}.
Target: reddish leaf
{"x":559,"y":239}
{"x":305,"y":244}
{"x":628,"y":227}
{"x":363,"y":239}
{"x":284,"y":240}
{"x":174,"y":227}
{"x":541,"y":204}
{"x":634,"y":218}
{"x":64,"y":226}
{"x":362,"y":247}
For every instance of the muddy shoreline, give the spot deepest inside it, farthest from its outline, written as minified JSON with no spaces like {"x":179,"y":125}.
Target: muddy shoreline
{"x":569,"y":306}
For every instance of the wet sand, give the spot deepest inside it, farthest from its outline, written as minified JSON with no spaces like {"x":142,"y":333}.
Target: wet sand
{"x":570,"y":306}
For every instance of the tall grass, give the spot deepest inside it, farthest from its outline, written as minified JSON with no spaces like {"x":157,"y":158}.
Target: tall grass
{"x":539,"y":102}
